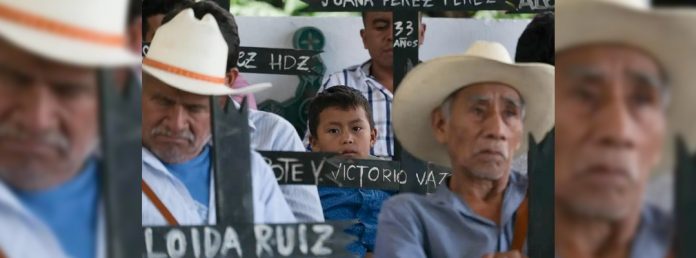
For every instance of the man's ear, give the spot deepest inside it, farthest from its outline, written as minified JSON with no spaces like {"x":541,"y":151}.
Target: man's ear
{"x":362,"y":36}
{"x":314,"y":144}
{"x":373,"y":137}
{"x":421,"y":34}
{"x":231,"y":76}
{"x":439,"y":125}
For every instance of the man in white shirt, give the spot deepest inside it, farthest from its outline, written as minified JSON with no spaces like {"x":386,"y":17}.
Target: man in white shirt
{"x":50,"y":192}
{"x":179,"y":75}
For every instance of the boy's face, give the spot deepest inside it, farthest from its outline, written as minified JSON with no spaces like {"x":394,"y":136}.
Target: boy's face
{"x":344,"y":131}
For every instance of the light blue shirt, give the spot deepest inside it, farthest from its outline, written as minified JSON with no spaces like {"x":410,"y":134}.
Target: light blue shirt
{"x":69,"y":210}
{"x":653,"y":237}
{"x":194,"y":174}
{"x":269,"y":204}
{"x":442,"y":225}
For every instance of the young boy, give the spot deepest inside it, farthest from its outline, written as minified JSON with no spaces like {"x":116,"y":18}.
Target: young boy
{"x":340,"y":121}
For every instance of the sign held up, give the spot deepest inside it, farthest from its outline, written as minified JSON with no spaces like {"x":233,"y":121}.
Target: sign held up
{"x":517,"y":6}
{"x":270,"y":240}
{"x":329,"y":169}
{"x":278,"y":61}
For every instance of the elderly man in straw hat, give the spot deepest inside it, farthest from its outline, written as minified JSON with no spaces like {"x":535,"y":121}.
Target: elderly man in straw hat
{"x":180,"y":74}
{"x":50,"y":52}
{"x":624,"y":87}
{"x":474,"y":118}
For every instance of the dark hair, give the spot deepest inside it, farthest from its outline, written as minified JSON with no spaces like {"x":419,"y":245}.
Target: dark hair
{"x":155,"y":7}
{"x":364,"y":15}
{"x":536,"y":44}
{"x":225,"y":21}
{"x":339,"y":96}
{"x":135,"y":10}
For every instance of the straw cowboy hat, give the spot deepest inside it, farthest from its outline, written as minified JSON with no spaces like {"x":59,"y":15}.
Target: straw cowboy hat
{"x":191,"y":55}
{"x":666,"y":35}
{"x":428,"y":85}
{"x":79,"y":32}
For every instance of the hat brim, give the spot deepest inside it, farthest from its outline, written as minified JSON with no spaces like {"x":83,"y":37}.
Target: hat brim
{"x":66,"y":50}
{"x":428,"y":85}
{"x":666,"y":35}
{"x":201,"y":87}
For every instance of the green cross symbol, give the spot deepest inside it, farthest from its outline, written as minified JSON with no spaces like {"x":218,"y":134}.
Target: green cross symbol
{"x":310,"y":38}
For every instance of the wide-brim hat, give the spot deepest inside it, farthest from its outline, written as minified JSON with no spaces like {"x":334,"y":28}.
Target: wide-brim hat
{"x":80,"y":32}
{"x":191,"y":55}
{"x":667,"y":35}
{"x":428,"y":85}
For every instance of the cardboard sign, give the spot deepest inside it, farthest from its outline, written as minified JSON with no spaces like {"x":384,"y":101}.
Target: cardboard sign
{"x":402,"y":5}
{"x":327,"y":169}
{"x":273,"y":60}
{"x":266,"y":240}
{"x":278,"y":61}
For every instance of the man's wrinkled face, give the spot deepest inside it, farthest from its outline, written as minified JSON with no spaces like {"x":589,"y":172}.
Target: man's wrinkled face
{"x":176,"y":124}
{"x":482,"y":128}
{"x":344,"y":131}
{"x":48,"y":119}
{"x":377,"y":36}
{"x":610,"y":122}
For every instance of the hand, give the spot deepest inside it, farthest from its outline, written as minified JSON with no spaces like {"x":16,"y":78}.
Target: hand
{"x":511,"y":254}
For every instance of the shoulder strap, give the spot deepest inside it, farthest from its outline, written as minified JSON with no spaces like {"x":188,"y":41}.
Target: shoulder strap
{"x":520,"y":228}
{"x":158,"y":204}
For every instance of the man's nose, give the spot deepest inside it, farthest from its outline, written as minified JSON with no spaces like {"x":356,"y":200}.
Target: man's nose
{"x":177,"y":118}
{"x":614,"y":124}
{"x":494,"y":127}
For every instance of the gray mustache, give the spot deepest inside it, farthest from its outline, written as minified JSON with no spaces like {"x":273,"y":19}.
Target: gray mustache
{"x":54,"y":139}
{"x":164,"y":131}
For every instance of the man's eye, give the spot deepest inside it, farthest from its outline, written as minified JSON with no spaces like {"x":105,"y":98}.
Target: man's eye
{"x":357,"y":129}
{"x":478,"y":111}
{"x":332,"y":131}
{"x":583,"y":94}
{"x":10,"y":79}
{"x":510,"y":113}
{"x":70,"y":91}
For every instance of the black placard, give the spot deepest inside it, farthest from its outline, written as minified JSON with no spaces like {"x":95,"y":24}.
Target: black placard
{"x":278,"y":61}
{"x":326,"y":169}
{"x":401,"y":5}
{"x":540,"y":166}
{"x":532,"y":6}
{"x":232,"y":163}
{"x":120,"y":122}
{"x":685,"y":201}
{"x":267,"y":240}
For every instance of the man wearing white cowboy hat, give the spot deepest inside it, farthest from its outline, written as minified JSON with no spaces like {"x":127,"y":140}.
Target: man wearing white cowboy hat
{"x":268,"y":131}
{"x":624,"y":89}
{"x":474,"y":118}
{"x":180,"y":73}
{"x":49,"y":189}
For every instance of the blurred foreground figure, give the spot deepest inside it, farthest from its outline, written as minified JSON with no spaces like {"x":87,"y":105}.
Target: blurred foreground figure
{"x":623,"y":86}
{"x":50,"y":52}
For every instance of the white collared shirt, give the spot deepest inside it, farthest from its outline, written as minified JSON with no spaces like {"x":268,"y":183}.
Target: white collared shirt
{"x":269,"y":204}
{"x":271,"y":132}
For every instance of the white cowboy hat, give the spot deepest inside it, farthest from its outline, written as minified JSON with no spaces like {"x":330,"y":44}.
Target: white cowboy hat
{"x":191,"y":55}
{"x":428,"y":85}
{"x":666,"y":35}
{"x":79,"y":32}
